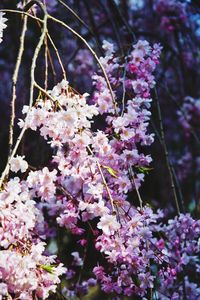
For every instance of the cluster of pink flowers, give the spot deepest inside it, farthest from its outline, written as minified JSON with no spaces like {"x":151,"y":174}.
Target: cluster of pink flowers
{"x":92,"y":171}
{"x":181,"y":243}
{"x":25,"y":270}
{"x":129,"y":251}
{"x":28,"y":273}
{"x":138,"y":78}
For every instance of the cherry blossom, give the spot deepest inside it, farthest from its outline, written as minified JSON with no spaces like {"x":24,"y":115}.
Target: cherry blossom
{"x":18,"y":164}
{"x":108,"y":224}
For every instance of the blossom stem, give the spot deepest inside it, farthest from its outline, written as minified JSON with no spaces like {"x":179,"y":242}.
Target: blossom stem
{"x":123,"y":84}
{"x":104,"y":181}
{"x":98,"y":42}
{"x":137,"y":190}
{"x":44,"y":91}
{"x":46,"y":63}
{"x":58,"y":56}
{"x":169,"y":166}
{"x":93,"y":53}
{"x":15,"y":78}
{"x":173,"y":170}
{"x":22,"y":13}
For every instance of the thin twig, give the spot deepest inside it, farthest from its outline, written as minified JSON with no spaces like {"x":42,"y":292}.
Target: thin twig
{"x":169,"y":165}
{"x":35,"y":2}
{"x":124,"y":85}
{"x":172,"y":168}
{"x":21,"y":13}
{"x":135,"y":185}
{"x":52,"y":67}
{"x":58,"y":56}
{"x":15,"y":78}
{"x":46,"y":64}
{"x":93,"y":53}
{"x":83,"y":23}
{"x":104,"y":180}
{"x":76,"y":16}
{"x":114,"y":7}
{"x":94,"y":29}
{"x":49,"y":56}
{"x":113,"y":25}
{"x":178,"y":189}
{"x":44,"y":91}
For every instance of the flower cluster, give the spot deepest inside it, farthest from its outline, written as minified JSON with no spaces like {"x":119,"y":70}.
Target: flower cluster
{"x":81,"y":152}
{"x":29,"y":273}
{"x":24,"y":268}
{"x":129,"y":249}
{"x":181,"y":244}
{"x":93,"y":171}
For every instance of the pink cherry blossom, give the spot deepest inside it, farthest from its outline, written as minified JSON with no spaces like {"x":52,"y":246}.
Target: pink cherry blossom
{"x":18,"y":164}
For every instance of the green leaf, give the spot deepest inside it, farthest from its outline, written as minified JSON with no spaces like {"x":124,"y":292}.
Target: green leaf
{"x":48,"y":268}
{"x":116,"y":135}
{"x":144,"y":169}
{"x":111,"y":171}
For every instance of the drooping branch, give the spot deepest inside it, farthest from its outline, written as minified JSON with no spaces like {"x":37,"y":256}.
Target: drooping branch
{"x":20,"y":12}
{"x":168,"y":162}
{"x":58,"y":56}
{"x":93,"y":53}
{"x":32,"y":75}
{"x":15,"y":78}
